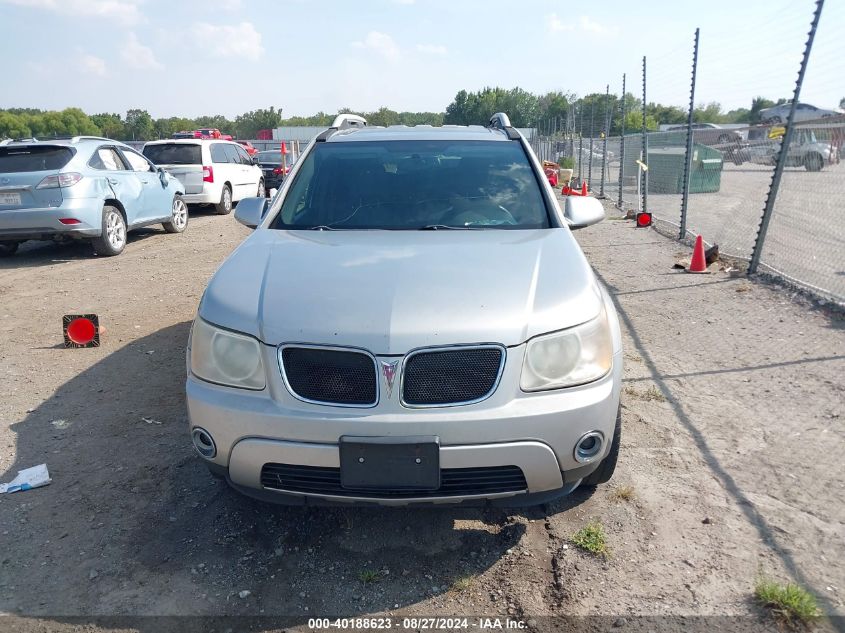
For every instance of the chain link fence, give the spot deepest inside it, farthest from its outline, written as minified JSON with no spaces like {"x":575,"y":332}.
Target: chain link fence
{"x":769,"y":193}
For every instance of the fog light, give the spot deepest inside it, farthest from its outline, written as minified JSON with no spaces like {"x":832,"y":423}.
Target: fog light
{"x":203,"y":442}
{"x":588,"y":447}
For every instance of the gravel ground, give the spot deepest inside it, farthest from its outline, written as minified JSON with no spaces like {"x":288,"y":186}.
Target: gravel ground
{"x":731,"y":465}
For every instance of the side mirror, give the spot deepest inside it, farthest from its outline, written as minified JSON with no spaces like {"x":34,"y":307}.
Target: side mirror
{"x":250,"y":211}
{"x":582,"y":211}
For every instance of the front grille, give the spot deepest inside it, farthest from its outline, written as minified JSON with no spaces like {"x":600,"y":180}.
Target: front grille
{"x":331,"y":376}
{"x":454,"y":482}
{"x":451,"y":376}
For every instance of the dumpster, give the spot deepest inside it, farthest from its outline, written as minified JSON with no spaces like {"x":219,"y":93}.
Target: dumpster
{"x":666,"y":169}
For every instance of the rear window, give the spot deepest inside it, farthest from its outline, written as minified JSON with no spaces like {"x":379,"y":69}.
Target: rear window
{"x":174,"y":154}
{"x":412,"y":185}
{"x":32,"y":158}
{"x":273,"y":157}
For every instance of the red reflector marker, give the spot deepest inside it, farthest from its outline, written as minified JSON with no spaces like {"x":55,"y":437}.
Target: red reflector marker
{"x":81,"y":330}
{"x":643,"y":219}
{"x":69,"y":221}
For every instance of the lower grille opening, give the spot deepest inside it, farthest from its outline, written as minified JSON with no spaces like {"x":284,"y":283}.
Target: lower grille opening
{"x":454,"y":482}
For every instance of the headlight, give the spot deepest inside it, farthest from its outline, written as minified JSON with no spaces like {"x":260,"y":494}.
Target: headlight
{"x":225,"y":357}
{"x":572,"y":357}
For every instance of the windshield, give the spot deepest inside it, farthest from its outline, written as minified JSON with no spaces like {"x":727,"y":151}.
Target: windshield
{"x":174,"y":154}
{"x":274,"y":157}
{"x":414,"y":185}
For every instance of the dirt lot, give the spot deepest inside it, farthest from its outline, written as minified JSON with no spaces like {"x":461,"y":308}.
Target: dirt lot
{"x":731,"y":466}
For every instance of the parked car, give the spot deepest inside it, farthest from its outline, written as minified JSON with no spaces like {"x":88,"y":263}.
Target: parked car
{"x":186,"y":134}
{"x":710,"y":134}
{"x":250,"y":149}
{"x":83,"y":188}
{"x":213,"y":132}
{"x":271,"y":165}
{"x":804,"y":151}
{"x":411,"y":321}
{"x":213,"y":172}
{"x":803,"y":112}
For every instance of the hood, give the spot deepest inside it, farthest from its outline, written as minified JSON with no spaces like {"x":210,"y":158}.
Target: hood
{"x":393,"y":291}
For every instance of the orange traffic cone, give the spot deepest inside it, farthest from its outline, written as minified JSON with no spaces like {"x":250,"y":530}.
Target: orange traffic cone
{"x":698,"y":263}
{"x":584,"y":188}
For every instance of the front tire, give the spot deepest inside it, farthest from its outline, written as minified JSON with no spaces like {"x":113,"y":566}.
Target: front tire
{"x":604,"y":472}
{"x":813,"y":162}
{"x":112,"y":240}
{"x":224,"y":207}
{"x":178,"y":217}
{"x":7,"y":249}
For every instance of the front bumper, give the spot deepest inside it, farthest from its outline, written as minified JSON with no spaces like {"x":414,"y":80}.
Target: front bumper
{"x":42,"y":223}
{"x":536,"y":432}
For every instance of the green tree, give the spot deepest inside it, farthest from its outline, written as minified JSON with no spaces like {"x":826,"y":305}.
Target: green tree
{"x":248,"y":124}
{"x":111,"y":125}
{"x":216,"y":121}
{"x":165,"y":128}
{"x":139,"y":125}
{"x":13,"y":126}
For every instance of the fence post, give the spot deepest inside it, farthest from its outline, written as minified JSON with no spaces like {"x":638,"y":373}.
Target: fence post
{"x":580,"y":141}
{"x":607,"y":120}
{"x":622,"y":146}
{"x":784,"y":145}
{"x":645,"y":150}
{"x":688,"y":156}
{"x":592,"y":132}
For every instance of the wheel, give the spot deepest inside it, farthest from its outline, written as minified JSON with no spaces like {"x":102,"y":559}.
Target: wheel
{"x":224,"y":207}
{"x":7,"y":249}
{"x":261,"y":192}
{"x":604,"y":472}
{"x":112,"y":240}
{"x":179,"y":216}
{"x":813,"y":162}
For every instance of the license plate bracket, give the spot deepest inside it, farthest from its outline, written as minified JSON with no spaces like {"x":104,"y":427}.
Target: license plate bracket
{"x":390,"y":463}
{"x":11,"y":199}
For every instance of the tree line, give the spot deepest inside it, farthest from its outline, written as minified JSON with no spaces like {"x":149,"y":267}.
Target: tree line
{"x":552,"y":110}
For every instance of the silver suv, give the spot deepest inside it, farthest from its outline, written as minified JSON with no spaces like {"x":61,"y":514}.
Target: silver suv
{"x":412,"y":321}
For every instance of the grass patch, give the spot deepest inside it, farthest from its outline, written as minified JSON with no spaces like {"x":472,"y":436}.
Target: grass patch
{"x":368,"y":576}
{"x":623,"y":493}
{"x":592,"y":539}
{"x":462,"y":583}
{"x":789,"y":603}
{"x":652,"y":393}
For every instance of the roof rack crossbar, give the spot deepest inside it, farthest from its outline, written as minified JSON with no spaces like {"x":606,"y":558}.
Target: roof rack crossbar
{"x":501,"y":121}
{"x":342,"y":122}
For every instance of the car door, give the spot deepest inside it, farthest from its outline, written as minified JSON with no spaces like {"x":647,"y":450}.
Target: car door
{"x":238,"y":172}
{"x":123,"y":182}
{"x":155,"y":198}
{"x":252,"y":173}
{"x":224,"y":169}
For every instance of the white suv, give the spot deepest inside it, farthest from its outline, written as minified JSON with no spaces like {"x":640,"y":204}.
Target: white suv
{"x":213,"y":171}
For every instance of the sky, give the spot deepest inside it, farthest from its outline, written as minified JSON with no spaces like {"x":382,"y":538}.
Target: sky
{"x":195,"y":57}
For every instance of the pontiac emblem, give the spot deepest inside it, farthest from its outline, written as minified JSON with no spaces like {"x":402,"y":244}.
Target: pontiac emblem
{"x":389,"y":371}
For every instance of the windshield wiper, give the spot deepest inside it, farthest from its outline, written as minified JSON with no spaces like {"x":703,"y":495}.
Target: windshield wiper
{"x":437,"y":227}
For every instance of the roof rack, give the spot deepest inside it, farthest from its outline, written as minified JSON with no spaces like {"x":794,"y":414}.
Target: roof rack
{"x":501,"y":121}
{"x":342,"y":122}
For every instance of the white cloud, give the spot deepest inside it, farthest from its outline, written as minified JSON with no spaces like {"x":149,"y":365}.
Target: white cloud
{"x":242,"y":40}
{"x":432,"y":49}
{"x":591,"y":26}
{"x":556,"y":25}
{"x":93,"y":65}
{"x":380,"y":43}
{"x":138,"y":56}
{"x":123,"y":11}
{"x":584,"y":24}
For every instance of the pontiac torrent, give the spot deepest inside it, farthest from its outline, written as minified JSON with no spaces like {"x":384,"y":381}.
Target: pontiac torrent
{"x":411,"y":322}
